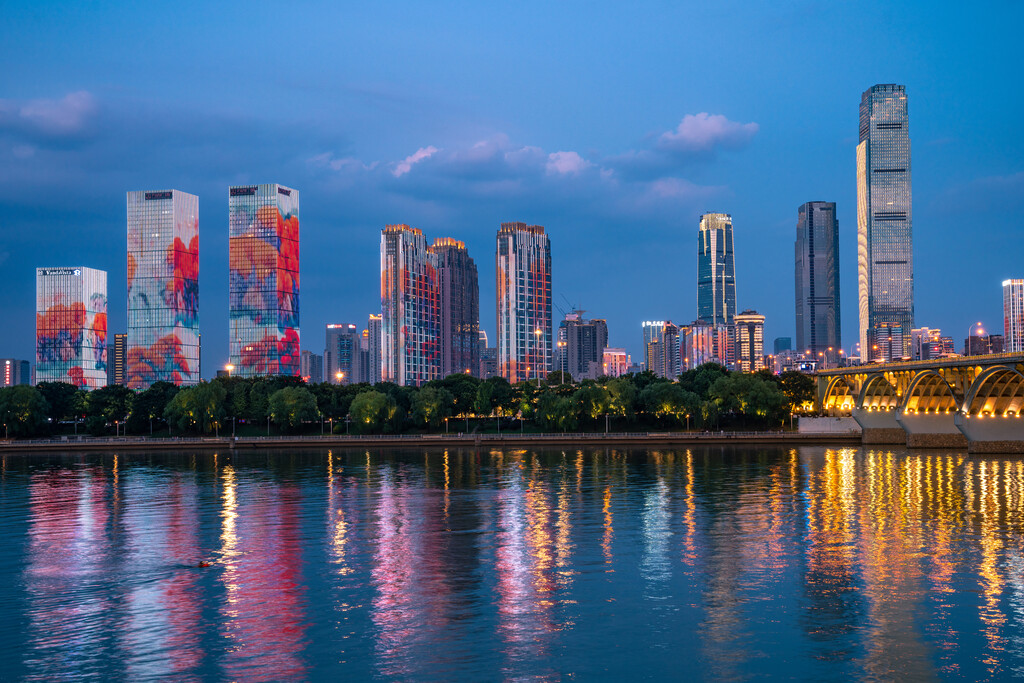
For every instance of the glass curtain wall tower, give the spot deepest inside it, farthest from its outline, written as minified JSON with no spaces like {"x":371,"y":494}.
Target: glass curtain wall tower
{"x":885,"y":259}
{"x":460,"y":307}
{"x":523,"y":289}
{"x":264,"y":280}
{"x":163,"y":288}
{"x":410,"y":308}
{"x":817,"y":281}
{"x":1013,"y":316}
{"x":71,"y":326}
{"x":716,"y":270}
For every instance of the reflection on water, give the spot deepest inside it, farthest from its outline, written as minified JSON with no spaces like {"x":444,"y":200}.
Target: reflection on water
{"x":730,"y":563}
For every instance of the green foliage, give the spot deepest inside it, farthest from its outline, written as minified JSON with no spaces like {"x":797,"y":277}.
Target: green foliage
{"x":148,"y":407}
{"x":669,"y":400}
{"x":621,"y":397}
{"x":23,"y":411}
{"x":797,"y":388}
{"x":65,"y":401}
{"x":748,"y":395}
{"x":591,"y":401}
{"x":559,"y":377}
{"x":463,"y":388}
{"x":700,"y":379}
{"x":431,"y":405}
{"x":198,"y":409}
{"x":112,"y":403}
{"x":291,"y":406}
{"x":370,"y":411}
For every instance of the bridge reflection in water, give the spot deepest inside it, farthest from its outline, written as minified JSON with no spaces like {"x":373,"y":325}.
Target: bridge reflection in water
{"x":972,"y":402}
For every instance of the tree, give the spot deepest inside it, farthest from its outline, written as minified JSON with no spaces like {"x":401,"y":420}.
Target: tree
{"x":621,"y":398}
{"x":797,"y":388}
{"x":291,"y":406}
{"x":198,"y":409}
{"x":23,"y":410}
{"x":150,"y":405}
{"x":370,"y":410}
{"x":431,"y":405}
{"x":65,"y":401}
{"x":700,"y":379}
{"x":463,"y":389}
{"x":748,"y":395}
{"x":591,"y":401}
{"x":668,"y":399}
{"x":559,"y":377}
{"x":108,"y":405}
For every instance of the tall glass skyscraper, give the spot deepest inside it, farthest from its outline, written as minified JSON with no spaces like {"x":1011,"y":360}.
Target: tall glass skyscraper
{"x":523,"y":289}
{"x":264,"y":280}
{"x":410,"y":308}
{"x":71,"y":326}
{"x":817,"y":281}
{"x":716,"y":270}
{"x":163,"y":288}
{"x":342,"y":353}
{"x":459,"y":290}
{"x":1013,"y":316}
{"x":885,"y":258}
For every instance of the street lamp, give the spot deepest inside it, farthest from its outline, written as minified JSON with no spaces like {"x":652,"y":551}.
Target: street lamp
{"x":339,"y":375}
{"x":537,"y":333}
{"x":967,"y":342}
{"x":230,"y":368}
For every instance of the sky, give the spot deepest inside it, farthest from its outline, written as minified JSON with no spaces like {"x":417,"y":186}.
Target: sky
{"x":614,"y":125}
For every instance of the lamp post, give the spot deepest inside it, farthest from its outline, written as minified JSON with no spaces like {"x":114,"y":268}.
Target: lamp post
{"x":339,"y":375}
{"x":967,"y":342}
{"x":230,"y":368}
{"x":537,"y":333}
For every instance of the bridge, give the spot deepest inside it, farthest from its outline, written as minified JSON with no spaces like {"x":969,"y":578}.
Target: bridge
{"x":972,"y":402}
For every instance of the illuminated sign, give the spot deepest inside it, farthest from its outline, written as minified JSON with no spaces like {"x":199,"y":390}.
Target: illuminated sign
{"x":60,"y":271}
{"x":242,"y":191}
{"x":167,"y":194}
{"x":286,"y":193}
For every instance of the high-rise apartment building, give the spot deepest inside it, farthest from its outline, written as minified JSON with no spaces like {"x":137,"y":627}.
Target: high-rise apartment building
{"x":460,"y":307}
{"x":14,"y":372}
{"x":925,"y":344}
{"x":523,"y":289}
{"x":341,"y":355}
{"x":488,"y":358}
{"x":581,"y":346}
{"x":371,"y":369}
{"x":817,"y":281}
{"x":410,"y":307}
{"x":885,"y":258}
{"x":264,"y":280}
{"x":615,"y":362}
{"x":661,"y":353}
{"x":312,"y":367}
{"x":701,"y":342}
{"x":749,"y":341}
{"x":1013,"y":316}
{"x":163,"y":288}
{"x":716,"y":269}
{"x":71,"y":326}
{"x":117,"y":357}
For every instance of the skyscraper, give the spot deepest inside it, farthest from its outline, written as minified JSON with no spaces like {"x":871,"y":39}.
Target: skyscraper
{"x":410,"y":308}
{"x":716,"y":270}
{"x":117,"y":357}
{"x":661,"y":350}
{"x":14,"y":372}
{"x":749,"y":341}
{"x":341,"y":357}
{"x":312,"y":367}
{"x":523,"y":288}
{"x":582,"y":355}
{"x":163,"y":288}
{"x":371,"y":371}
{"x":817,"y":281}
{"x":71,"y":326}
{"x":460,"y":307}
{"x":1013,"y":316}
{"x":264,"y":280}
{"x":885,"y":258}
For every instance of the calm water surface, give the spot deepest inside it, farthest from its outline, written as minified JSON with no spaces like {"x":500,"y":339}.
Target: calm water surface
{"x":711,"y":563}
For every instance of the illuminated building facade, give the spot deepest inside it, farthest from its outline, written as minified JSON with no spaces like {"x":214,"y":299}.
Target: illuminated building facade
{"x":14,"y":372}
{"x":264,"y":280}
{"x":410,"y":308}
{"x":1013,"y":315}
{"x":163,"y":288}
{"x":885,"y":259}
{"x":523,"y":289}
{"x":926,"y":344}
{"x":749,"y":330}
{"x":459,"y":291}
{"x":817,"y":281}
{"x":71,"y":326}
{"x":488,"y":358}
{"x":117,"y":355}
{"x":371,"y":368}
{"x":701,"y":342}
{"x":716,"y":269}
{"x":341,"y":357}
{"x":312,"y":367}
{"x":615,"y":362}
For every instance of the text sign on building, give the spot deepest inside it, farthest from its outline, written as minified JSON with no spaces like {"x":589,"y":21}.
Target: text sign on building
{"x":60,"y":271}
{"x":159,"y":195}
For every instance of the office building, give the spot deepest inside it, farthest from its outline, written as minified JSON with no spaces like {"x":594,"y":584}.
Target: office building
{"x":1013,"y":315}
{"x":15,"y":372}
{"x":716,"y":269}
{"x":117,"y":357}
{"x":264,"y":280}
{"x":887,"y":344}
{"x":163,"y":288}
{"x":817,"y":281}
{"x":885,"y":258}
{"x":925,"y":344}
{"x":459,"y":293}
{"x":662,"y":352}
{"x":782,"y":344}
{"x":581,"y":344}
{"x":341,"y":355}
{"x":371,"y":369}
{"x":615,"y":362}
{"x":523,"y":293}
{"x":488,"y":358}
{"x":311,"y":365}
{"x":749,"y":331}
{"x":410,"y":307}
{"x":701,"y":342}
{"x":71,"y":326}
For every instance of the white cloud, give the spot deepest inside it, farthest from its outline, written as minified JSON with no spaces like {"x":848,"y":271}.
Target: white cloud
{"x":404,"y":166}
{"x":562,"y":163}
{"x":706,"y":132}
{"x":68,"y":116}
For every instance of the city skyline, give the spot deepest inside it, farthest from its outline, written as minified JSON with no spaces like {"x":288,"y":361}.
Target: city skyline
{"x":618,"y":181}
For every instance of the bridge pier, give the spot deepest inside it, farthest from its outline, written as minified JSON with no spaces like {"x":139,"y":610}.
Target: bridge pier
{"x":931,"y":430}
{"x":990,"y":434}
{"x":879,"y":427}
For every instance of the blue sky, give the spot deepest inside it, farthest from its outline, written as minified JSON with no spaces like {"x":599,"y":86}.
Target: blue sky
{"x":614,"y":125}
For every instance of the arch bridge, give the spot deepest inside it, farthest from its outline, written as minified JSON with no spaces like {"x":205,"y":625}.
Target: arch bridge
{"x":972,"y":401}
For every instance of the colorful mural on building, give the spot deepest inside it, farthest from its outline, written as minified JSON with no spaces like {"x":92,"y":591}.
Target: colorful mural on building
{"x":71,"y":326}
{"x":163,"y":288}
{"x":264,"y":280}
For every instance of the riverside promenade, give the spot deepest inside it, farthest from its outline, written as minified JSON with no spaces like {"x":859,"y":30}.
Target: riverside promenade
{"x":510,"y":438}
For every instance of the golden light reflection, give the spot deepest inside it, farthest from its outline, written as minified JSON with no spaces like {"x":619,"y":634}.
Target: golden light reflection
{"x":609,"y":531}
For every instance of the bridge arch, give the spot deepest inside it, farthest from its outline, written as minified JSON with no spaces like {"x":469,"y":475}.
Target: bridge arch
{"x":929,"y":393}
{"x":839,"y":397}
{"x":996,"y":392}
{"x":878,"y":394}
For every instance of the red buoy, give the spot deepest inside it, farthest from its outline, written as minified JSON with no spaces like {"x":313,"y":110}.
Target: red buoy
{"x":204,"y":563}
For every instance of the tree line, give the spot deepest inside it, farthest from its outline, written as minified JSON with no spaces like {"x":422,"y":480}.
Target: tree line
{"x":708,"y":397}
